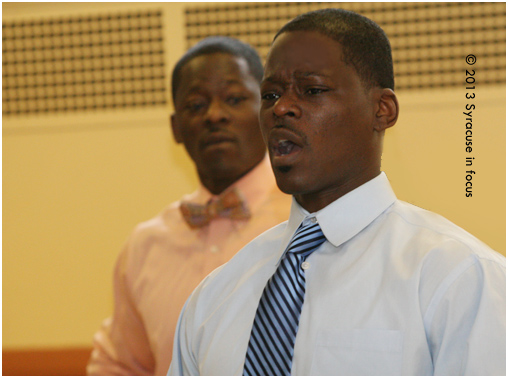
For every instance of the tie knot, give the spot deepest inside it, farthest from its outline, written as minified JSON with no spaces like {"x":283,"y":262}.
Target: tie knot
{"x":306,"y":240}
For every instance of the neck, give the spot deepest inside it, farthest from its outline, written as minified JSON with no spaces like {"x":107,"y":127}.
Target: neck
{"x":217,"y":186}
{"x":313,"y":202}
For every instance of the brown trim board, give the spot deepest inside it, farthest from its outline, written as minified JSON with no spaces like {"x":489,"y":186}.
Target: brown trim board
{"x":45,"y":361}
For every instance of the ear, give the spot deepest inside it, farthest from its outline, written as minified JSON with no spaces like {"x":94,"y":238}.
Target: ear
{"x":176,"y":127}
{"x":388,"y":109}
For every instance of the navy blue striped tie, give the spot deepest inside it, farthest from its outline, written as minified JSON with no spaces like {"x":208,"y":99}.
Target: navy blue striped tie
{"x":272,"y":340}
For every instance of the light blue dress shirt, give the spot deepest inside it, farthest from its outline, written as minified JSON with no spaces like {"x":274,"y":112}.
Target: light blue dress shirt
{"x":395,"y":290}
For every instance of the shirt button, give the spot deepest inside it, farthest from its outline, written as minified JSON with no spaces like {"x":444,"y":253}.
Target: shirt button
{"x":305,"y":265}
{"x":313,"y":220}
{"x":214,"y":249}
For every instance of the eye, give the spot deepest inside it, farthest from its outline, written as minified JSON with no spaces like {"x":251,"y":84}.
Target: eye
{"x":235,"y":100}
{"x":315,"y":91}
{"x":195,"y":106}
{"x":270,"y":96}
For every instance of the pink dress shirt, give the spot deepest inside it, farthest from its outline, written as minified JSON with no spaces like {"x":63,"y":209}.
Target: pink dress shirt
{"x":161,"y":264}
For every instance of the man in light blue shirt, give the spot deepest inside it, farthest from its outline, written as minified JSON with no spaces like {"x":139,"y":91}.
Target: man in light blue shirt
{"x":394,"y":289}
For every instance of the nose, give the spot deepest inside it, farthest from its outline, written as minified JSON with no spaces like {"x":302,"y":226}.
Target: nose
{"x":287,"y":105}
{"x":216,"y":113}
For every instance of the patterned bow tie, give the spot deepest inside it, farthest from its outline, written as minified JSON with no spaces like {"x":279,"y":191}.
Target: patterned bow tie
{"x":229,"y":204}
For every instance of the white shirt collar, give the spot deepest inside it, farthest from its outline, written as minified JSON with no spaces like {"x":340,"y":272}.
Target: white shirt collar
{"x":349,"y":214}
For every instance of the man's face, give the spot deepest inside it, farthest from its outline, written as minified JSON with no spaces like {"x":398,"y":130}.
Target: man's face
{"x":216,"y":117}
{"x":317,"y":119}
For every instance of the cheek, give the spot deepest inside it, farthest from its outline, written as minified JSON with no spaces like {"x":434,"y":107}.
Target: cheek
{"x":190,"y":137}
{"x":264,"y":124}
{"x":337,"y":146}
{"x":249,"y":124}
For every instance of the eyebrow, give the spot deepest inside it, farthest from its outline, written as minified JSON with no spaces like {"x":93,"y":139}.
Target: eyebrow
{"x":298,"y":75}
{"x":233,"y":81}
{"x":227,"y":83}
{"x":310,"y":73}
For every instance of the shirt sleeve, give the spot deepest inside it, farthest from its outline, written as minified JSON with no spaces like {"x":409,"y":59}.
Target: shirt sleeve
{"x":121,"y":346}
{"x":466,"y":321}
{"x":183,"y":361}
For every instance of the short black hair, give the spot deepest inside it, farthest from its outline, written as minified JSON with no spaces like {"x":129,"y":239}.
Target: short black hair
{"x":364,"y":44}
{"x":218,"y":44}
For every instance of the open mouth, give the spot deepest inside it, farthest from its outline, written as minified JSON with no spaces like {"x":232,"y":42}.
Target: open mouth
{"x":285,"y":147}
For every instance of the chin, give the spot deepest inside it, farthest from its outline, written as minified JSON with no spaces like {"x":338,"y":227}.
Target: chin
{"x":289,"y":183}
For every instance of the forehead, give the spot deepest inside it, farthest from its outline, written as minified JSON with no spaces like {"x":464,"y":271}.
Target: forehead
{"x":216,"y":66}
{"x":305,"y":51}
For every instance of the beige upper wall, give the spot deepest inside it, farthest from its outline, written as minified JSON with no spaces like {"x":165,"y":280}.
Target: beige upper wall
{"x":75,"y":186}
{"x":425,"y":158}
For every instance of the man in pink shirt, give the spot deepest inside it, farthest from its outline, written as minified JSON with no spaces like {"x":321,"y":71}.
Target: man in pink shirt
{"x":215,"y":88}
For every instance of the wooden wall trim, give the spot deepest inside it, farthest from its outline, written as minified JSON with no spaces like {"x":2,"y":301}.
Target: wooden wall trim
{"x":64,"y":361}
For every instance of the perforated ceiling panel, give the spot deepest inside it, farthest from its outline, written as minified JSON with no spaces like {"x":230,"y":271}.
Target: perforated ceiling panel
{"x":83,"y":63}
{"x":429,"y":40}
